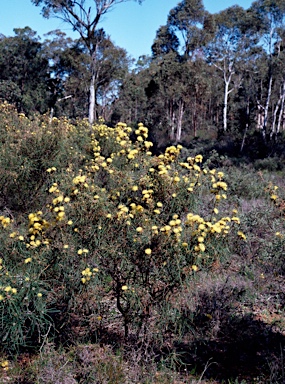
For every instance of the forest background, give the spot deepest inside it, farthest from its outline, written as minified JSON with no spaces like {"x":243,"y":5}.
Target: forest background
{"x":210,"y":73}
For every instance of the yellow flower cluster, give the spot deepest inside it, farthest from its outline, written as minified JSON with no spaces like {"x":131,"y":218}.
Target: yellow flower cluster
{"x":123,"y":212}
{"x":202,"y":228}
{"x":142,"y":135}
{"x":82,"y":251}
{"x":136,"y":208}
{"x":4,"y":365}
{"x":5,"y":221}
{"x":87,"y":273}
{"x":171,"y":153}
{"x":54,"y":188}
{"x":173,"y":226}
{"x":52,"y":169}
{"x":147,"y":195}
{"x":58,"y":207}
{"x":37,"y":227}
{"x":219,"y":187}
{"x":273,"y":192}
{"x":7,"y":291}
{"x":241,"y":235}
{"x":80,"y":179}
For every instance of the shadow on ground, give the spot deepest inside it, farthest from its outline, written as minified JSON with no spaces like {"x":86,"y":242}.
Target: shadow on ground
{"x":241,"y":347}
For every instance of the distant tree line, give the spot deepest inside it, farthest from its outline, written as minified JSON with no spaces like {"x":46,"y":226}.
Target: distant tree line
{"x":208,"y":73}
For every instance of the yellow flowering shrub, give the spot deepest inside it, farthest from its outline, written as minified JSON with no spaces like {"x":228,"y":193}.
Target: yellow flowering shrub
{"x":121,"y":227}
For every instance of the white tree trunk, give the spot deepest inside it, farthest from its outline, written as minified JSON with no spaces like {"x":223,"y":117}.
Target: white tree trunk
{"x":281,"y":112}
{"x":228,"y":73}
{"x":260,"y":116}
{"x":273,"y":130}
{"x":179,"y":122}
{"x":225,"y":111}
{"x":91,"y":115}
{"x":266,"y":108}
{"x":52,"y":108}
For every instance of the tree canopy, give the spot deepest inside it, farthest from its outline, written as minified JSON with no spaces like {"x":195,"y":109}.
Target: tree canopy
{"x":219,"y":73}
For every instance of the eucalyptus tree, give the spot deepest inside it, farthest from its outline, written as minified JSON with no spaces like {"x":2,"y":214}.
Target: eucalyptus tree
{"x":70,"y":73}
{"x":226,"y":51}
{"x":270,"y":15}
{"x":278,"y":117}
{"x":25,"y":69}
{"x":165,"y":42}
{"x":177,"y":69}
{"x":186,"y":21}
{"x":132,"y":104}
{"x":167,"y":83}
{"x":84,"y":19}
{"x":66,"y":61}
{"x":112,"y":66}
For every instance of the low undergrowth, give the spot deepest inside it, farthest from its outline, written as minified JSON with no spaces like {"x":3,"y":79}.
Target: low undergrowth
{"x":118,"y":265}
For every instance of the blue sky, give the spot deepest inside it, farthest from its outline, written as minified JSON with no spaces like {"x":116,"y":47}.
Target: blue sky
{"x":131,"y":26}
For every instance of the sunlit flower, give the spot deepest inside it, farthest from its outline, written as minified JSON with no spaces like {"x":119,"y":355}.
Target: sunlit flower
{"x":242,"y":235}
{"x":202,"y":247}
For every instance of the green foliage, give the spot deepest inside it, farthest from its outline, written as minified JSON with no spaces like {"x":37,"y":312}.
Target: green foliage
{"x":158,"y":256}
{"x":28,"y":147}
{"x":23,"y":65}
{"x":127,"y":227}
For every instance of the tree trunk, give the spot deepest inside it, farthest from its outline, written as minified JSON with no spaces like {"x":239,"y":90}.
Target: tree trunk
{"x":246,"y":126}
{"x":266,"y":108}
{"x":281,"y":112}
{"x":227,"y":80}
{"x":52,"y":108}
{"x":194,"y":119}
{"x":260,"y":116}
{"x":179,"y":122}
{"x":225,"y":110}
{"x":92,"y":100}
{"x":276,"y":109}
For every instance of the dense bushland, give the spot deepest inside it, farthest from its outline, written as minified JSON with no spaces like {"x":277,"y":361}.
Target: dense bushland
{"x":113,"y":255}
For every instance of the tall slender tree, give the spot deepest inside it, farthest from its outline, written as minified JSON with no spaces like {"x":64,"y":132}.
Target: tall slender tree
{"x":270,"y":15}
{"x":84,"y":18}
{"x":226,"y":52}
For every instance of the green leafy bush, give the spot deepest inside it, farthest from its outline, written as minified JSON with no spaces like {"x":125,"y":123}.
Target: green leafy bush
{"x":120,"y":230}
